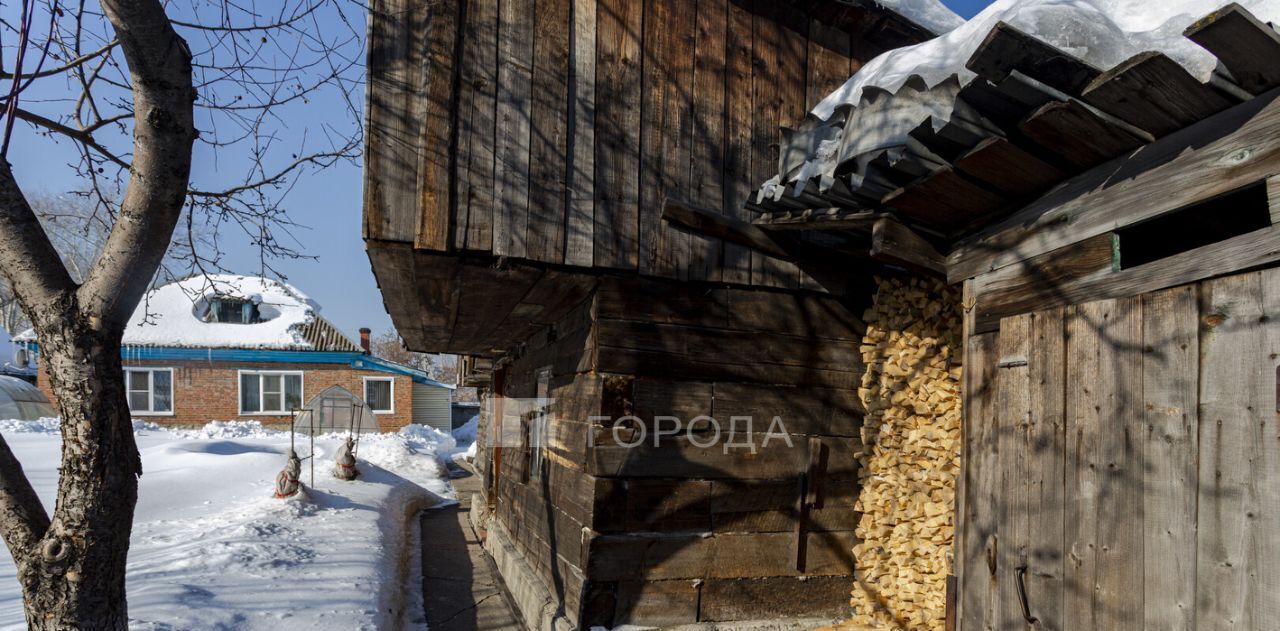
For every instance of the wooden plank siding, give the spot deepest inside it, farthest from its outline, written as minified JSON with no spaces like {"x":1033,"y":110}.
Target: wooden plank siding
{"x":554,"y":131}
{"x":1122,"y":454}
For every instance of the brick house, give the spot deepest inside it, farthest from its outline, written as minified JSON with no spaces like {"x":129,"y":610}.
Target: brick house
{"x":228,"y":347}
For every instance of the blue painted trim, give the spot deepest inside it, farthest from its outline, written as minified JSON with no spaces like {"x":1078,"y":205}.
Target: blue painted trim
{"x":271,"y":356}
{"x":369,"y":362}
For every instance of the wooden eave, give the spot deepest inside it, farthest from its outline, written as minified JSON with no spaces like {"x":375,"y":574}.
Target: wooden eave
{"x":1034,"y":127}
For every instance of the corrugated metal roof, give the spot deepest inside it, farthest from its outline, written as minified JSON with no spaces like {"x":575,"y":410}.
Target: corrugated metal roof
{"x":949,"y":158}
{"x":322,"y":335}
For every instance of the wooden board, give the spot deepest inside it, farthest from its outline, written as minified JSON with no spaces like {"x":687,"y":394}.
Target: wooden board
{"x":511,"y":171}
{"x":1070,"y":130}
{"x":944,"y":200}
{"x":738,"y":170}
{"x":1104,"y":466}
{"x":474,"y":229}
{"x":1170,"y":373}
{"x":977,"y":536}
{"x":706,"y":181}
{"x":1006,"y":49}
{"x":1250,"y":250}
{"x":580,"y":225}
{"x":1038,"y":283}
{"x":1153,"y":93}
{"x":1243,"y":44}
{"x":766,"y":119}
{"x":549,"y":142}
{"x":617,"y":158}
{"x":1008,"y":169}
{"x":391,"y":163}
{"x":1238,"y":465}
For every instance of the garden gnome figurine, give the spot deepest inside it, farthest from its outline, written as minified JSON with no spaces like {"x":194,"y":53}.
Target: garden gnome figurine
{"x":346,"y":465}
{"x":287,"y":481}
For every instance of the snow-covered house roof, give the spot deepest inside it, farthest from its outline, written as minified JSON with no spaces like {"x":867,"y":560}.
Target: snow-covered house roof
{"x":917,"y":111}
{"x":183,"y":314}
{"x":930,"y":14}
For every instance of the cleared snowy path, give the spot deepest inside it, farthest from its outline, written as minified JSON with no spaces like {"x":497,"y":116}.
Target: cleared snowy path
{"x":461,"y":586}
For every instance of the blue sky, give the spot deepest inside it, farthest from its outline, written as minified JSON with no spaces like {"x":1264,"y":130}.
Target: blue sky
{"x":327,"y":203}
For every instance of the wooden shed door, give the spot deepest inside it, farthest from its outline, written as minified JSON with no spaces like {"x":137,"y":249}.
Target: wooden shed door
{"x":1122,"y":464}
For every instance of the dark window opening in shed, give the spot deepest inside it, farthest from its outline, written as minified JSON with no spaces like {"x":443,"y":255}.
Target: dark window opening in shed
{"x":1229,"y":215}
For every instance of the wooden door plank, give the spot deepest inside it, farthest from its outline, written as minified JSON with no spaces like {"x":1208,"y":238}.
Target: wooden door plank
{"x":707,"y":179}
{"x":738,"y":182}
{"x":1045,"y":444}
{"x":549,"y":141}
{"x":1170,"y":381}
{"x":511,"y":169}
{"x":1230,"y":309}
{"x":1243,"y":43}
{"x":1264,"y":601}
{"x":978,"y":522}
{"x":1016,"y":501}
{"x":1153,"y":93}
{"x":617,"y":158}
{"x":580,"y":228}
{"x":1103,"y":474}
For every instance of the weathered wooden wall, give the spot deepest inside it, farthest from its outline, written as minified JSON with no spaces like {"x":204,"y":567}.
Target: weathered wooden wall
{"x":1125,"y":455}
{"x":669,"y":531}
{"x":554,"y":131}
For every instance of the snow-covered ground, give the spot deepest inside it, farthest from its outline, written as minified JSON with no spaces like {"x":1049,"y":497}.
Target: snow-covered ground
{"x":212,"y":549}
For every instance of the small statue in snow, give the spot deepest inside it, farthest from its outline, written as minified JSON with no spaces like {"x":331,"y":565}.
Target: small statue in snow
{"x":345,"y":469}
{"x":287,"y":481}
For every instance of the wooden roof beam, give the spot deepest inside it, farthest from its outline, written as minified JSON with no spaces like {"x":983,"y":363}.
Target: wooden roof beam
{"x":896,"y":244}
{"x":1243,"y":43}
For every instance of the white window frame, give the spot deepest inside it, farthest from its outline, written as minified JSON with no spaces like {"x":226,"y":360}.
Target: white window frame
{"x":151,"y":391}
{"x":364,"y":392}
{"x":302,"y":391}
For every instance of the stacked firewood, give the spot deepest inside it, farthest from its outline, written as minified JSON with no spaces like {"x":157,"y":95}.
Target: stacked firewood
{"x":911,"y":455}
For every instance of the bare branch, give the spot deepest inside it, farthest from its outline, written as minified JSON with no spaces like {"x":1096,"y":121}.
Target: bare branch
{"x":74,"y":63}
{"x":27,"y":257}
{"x":79,"y":135}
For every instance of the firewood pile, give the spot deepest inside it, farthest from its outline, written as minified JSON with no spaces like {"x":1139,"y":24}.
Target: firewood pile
{"x":911,"y":455}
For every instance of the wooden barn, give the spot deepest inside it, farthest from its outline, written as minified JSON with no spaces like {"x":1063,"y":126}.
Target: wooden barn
{"x":628,"y":213}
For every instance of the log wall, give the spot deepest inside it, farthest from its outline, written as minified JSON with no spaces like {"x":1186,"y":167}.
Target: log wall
{"x":689,"y":527}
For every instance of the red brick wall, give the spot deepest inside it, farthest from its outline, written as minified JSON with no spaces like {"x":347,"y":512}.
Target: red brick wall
{"x":208,"y":391}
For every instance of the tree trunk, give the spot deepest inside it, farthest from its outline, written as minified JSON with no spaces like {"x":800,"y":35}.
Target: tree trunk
{"x":74,"y":576}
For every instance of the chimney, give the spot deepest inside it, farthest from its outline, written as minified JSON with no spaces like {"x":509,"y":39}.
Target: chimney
{"x":364,"y":339}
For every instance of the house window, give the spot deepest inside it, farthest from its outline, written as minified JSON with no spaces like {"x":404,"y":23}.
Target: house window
{"x":380,"y":394}
{"x":233,"y":311}
{"x":150,"y":390}
{"x":270,"y":392}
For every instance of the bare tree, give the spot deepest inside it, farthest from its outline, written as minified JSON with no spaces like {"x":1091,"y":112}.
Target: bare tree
{"x":119,"y":82}
{"x":388,"y":345}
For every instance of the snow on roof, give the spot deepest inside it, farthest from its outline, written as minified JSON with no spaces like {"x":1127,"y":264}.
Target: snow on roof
{"x":174,"y":314}
{"x":1101,"y":32}
{"x":931,"y":14}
